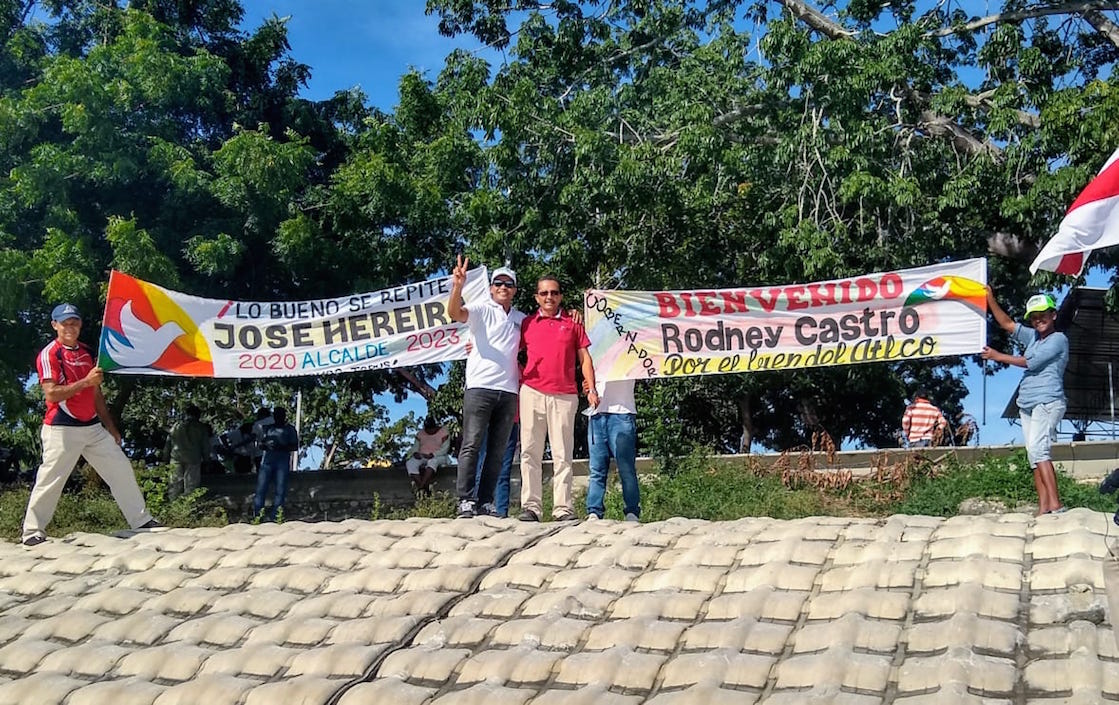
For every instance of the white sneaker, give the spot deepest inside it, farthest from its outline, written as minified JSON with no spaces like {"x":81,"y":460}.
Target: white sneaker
{"x":630,"y":516}
{"x":465,"y":509}
{"x":591,"y":516}
{"x":489,"y":509}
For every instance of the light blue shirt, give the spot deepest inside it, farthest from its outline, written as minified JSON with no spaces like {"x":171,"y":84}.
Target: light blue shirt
{"x":1046,"y":360}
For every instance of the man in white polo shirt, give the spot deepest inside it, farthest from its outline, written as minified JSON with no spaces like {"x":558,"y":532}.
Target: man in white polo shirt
{"x":489,"y":403}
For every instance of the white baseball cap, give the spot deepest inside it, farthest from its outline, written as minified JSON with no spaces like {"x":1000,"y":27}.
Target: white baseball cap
{"x":503,"y":272}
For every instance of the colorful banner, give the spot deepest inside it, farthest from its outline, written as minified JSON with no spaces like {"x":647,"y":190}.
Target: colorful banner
{"x":149,"y":330}
{"x":885,"y":317}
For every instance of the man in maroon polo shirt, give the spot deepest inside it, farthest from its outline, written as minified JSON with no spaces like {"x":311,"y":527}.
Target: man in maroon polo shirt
{"x":549,"y":399}
{"x":77,"y":423}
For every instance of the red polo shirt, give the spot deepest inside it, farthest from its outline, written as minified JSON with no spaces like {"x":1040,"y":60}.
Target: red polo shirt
{"x":63,"y":365}
{"x":552,"y":344}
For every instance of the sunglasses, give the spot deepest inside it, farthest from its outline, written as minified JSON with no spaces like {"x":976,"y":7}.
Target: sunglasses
{"x":550,"y":292}
{"x":504,"y":283}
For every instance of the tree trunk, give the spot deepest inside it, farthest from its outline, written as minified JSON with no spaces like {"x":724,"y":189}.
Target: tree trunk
{"x":425,"y":390}
{"x":328,"y":458}
{"x":746,"y":419}
{"x":808,"y":416}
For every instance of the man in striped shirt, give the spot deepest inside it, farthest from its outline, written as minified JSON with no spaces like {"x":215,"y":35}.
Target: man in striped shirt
{"x":923,"y":423}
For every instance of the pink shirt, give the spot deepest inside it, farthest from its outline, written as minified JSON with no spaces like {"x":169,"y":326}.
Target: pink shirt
{"x":431,"y":443}
{"x":552,"y":345}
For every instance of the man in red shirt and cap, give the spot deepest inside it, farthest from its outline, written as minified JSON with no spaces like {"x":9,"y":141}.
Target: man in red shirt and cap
{"x":77,"y":423}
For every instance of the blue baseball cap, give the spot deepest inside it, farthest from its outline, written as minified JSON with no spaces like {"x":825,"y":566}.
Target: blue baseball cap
{"x":64,"y":312}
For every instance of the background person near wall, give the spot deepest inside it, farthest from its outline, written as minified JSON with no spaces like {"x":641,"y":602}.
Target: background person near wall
{"x":188,"y":447}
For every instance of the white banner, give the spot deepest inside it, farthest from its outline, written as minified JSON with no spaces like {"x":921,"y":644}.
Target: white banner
{"x":150,"y":330}
{"x":903,"y":315}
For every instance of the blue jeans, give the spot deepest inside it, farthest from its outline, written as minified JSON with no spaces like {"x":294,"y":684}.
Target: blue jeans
{"x":613,"y":435}
{"x":271,"y":471}
{"x":501,"y":492}
{"x":487,"y":417}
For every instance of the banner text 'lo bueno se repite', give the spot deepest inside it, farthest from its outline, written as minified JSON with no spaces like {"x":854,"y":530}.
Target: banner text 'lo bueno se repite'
{"x":150,"y":330}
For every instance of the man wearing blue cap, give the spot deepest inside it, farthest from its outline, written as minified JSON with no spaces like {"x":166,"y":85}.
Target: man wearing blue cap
{"x":1041,"y":394}
{"x":77,"y":424}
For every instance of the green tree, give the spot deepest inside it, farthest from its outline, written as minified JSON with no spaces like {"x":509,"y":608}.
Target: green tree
{"x":157,"y":138}
{"x":658,"y":145}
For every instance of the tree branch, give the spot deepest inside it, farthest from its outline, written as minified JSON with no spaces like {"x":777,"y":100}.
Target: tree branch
{"x":1103,"y":25}
{"x":1068,"y":8}
{"x":817,"y":20}
{"x":942,"y":126}
{"x":982,"y":101}
{"x":425,"y":389}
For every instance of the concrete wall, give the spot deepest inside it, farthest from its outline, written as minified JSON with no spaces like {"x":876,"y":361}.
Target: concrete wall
{"x":339,"y":494}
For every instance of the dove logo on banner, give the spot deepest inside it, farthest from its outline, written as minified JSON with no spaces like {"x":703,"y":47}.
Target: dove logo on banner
{"x":144,"y":328}
{"x":951,"y":288}
{"x":138,"y":344}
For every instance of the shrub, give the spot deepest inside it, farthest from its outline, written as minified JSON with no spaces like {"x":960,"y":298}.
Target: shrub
{"x":698,"y":488}
{"x":89,"y":506}
{"x":1008,"y":480}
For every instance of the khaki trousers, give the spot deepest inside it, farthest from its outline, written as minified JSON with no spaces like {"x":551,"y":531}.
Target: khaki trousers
{"x":552,"y":416}
{"x":62,"y":446}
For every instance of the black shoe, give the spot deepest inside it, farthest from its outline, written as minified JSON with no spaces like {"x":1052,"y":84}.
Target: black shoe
{"x":34,"y":540}
{"x":465,"y":509}
{"x":565,"y":516}
{"x":529,"y":515}
{"x":150,"y":524}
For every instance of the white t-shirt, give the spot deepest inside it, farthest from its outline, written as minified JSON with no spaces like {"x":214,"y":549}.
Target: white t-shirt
{"x":492,"y":362}
{"x":616,"y":397}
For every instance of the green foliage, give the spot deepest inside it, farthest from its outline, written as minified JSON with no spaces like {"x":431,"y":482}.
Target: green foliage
{"x":89,"y":510}
{"x":93,"y":509}
{"x":1006,"y":480}
{"x":640,"y":144}
{"x":438,"y":505}
{"x":700,"y":489}
{"x":218,"y":255}
{"x":184,"y":511}
{"x":135,"y":253}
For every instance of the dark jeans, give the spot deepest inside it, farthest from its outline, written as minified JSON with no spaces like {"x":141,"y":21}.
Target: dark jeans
{"x":501,"y":493}
{"x":486,"y":414}
{"x":269,"y":472}
{"x":613,"y":435}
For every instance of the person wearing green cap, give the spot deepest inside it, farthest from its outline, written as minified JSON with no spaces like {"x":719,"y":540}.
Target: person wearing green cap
{"x":1041,"y":394}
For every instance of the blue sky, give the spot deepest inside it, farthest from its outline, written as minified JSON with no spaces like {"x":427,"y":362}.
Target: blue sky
{"x":360,"y":43}
{"x":370,"y":45}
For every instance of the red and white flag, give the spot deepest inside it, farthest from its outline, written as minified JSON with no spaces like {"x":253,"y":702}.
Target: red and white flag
{"x":1092,"y":222}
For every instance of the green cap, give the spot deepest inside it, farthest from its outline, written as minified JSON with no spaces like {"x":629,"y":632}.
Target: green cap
{"x":1040,"y":303}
